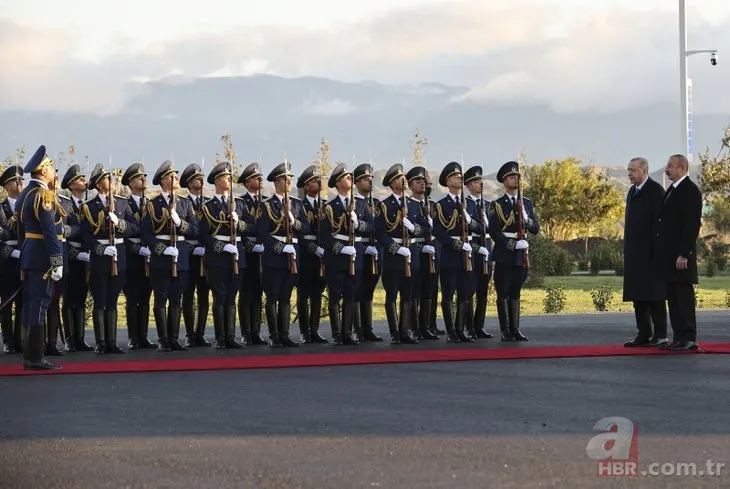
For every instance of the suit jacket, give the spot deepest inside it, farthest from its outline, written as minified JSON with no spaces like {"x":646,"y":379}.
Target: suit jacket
{"x":678,"y":227}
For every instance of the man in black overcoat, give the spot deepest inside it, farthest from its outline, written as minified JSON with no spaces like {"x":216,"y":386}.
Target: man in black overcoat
{"x":642,"y":284}
{"x":678,"y":226}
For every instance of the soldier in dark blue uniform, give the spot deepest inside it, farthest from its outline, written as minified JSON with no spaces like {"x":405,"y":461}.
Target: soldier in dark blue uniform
{"x":482,"y":269}
{"x":137,"y":287}
{"x":401,"y":260}
{"x":41,"y":255}
{"x":250,"y":299}
{"x":192,"y":179}
{"x":108,"y":258}
{"x":423,"y":285}
{"x":222,"y":249}
{"x":168,"y":222}
{"x":433,"y":325}
{"x":344,"y":216}
{"x":12,"y":181}
{"x":509,"y":274}
{"x":73,"y":309}
{"x":280,"y":262}
{"x":452,"y":216}
{"x":372,"y":258}
{"x":310,"y":285}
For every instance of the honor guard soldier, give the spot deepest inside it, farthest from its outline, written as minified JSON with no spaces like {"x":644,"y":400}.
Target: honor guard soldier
{"x":192,"y":179}
{"x":509,"y":249}
{"x":12,"y":181}
{"x":73,"y":309}
{"x":453,"y":226}
{"x":311,"y":283}
{"x":434,"y":283}
{"x":482,"y":272}
{"x":107,"y":220}
{"x":250,"y":299}
{"x":372,"y":259}
{"x":400,"y":228}
{"x":423,"y":285}
{"x":279,"y":227}
{"x":220,"y":232}
{"x":168,"y":222}
{"x":344,"y":217}
{"x":137,"y":287}
{"x":41,"y":255}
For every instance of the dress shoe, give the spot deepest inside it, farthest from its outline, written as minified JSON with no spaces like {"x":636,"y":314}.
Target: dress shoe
{"x":200,"y":340}
{"x":658,"y":341}
{"x":638,"y":342}
{"x":40,"y":365}
{"x":350,"y":339}
{"x":667,"y":345}
{"x":286,"y":341}
{"x":685,"y":346}
{"x":317,"y":338}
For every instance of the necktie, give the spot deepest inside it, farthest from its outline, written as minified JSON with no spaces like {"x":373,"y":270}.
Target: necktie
{"x":514,"y":202}
{"x":223,"y":199}
{"x":347,"y":202}
{"x":669,"y":191}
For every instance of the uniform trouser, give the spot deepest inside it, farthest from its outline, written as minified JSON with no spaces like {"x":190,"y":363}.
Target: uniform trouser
{"x":250,"y":301}
{"x":224,"y":286}
{"x":682,"y":303}
{"x":9,"y":320}
{"x":481,"y":288}
{"x":310,"y":287}
{"x":508,"y":280}
{"x":168,"y":288}
{"x":137,"y":290}
{"x":74,"y":296}
{"x":397,"y":284}
{"x":53,"y":316}
{"x":105,"y":289}
{"x":368,"y":283}
{"x":278,"y":285}
{"x":455,"y":281}
{"x":37,"y":297}
{"x":196,"y":283}
{"x":648,"y":313}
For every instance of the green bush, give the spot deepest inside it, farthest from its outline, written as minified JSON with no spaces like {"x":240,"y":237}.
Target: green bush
{"x":608,"y":255}
{"x":554,"y":301}
{"x":718,"y":254}
{"x":727,"y":298}
{"x":582,"y":263}
{"x":602,"y":297}
{"x":549,"y":259}
{"x":710,"y":267}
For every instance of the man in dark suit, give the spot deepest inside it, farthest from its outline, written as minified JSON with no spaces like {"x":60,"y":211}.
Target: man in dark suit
{"x":678,"y":226}
{"x":642,"y":285}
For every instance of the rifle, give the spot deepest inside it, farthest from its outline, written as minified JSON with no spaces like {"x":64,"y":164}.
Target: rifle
{"x":257,"y":207}
{"x":287,"y":228}
{"x":483,"y":234}
{"x":406,"y":244}
{"x":319,"y":220}
{"x":373,"y":258}
{"x":198,"y":210}
{"x":143,"y":204}
{"x":231,"y":223}
{"x":521,"y":223}
{"x":464,"y":231}
{"x":173,"y":228}
{"x":112,"y":230}
{"x":351,"y":230}
{"x":427,"y":212}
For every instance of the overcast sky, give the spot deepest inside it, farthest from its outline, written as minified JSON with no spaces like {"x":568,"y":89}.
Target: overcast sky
{"x":572,"y":55}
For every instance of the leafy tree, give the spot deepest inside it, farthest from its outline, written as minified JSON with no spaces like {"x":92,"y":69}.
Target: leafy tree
{"x":715,"y":184}
{"x":322,"y":161}
{"x":418,"y":144}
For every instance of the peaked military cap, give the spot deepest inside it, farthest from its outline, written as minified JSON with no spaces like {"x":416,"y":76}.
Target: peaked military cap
{"x":339,"y":172}
{"x":251,"y":171}
{"x":72,"y":174}
{"x":509,"y":168}
{"x":393,"y":172}
{"x":38,"y":161}
{"x":191,"y":172}
{"x":164,"y":170}
{"x":416,"y":172}
{"x":450,"y":169}
{"x":134,"y":170}
{"x":220,"y":170}
{"x":309,"y":173}
{"x":97,"y":174}
{"x":362,"y":171}
{"x":280,"y":170}
{"x":473,"y":173}
{"x":11,"y":173}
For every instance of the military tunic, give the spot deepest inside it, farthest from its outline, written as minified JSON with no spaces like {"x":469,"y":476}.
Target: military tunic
{"x":10,"y":271}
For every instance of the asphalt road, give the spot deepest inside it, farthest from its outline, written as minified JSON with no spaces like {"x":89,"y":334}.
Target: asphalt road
{"x":507,"y":423}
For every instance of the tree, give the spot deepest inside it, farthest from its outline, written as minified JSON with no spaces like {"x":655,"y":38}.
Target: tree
{"x":230,"y":156}
{"x":715,"y":184}
{"x":418,"y":144}
{"x":572,"y":200}
{"x":322,"y":161}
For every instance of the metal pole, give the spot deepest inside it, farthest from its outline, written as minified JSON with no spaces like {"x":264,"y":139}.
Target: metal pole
{"x":684,"y":134}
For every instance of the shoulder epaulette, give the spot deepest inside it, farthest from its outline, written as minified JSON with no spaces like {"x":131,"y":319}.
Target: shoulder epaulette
{"x":63,"y":197}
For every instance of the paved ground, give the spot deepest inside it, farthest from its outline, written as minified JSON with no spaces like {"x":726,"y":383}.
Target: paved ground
{"x":507,"y":423}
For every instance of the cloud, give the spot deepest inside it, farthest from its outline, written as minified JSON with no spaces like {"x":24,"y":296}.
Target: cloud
{"x":329,"y":108}
{"x":525,"y":51}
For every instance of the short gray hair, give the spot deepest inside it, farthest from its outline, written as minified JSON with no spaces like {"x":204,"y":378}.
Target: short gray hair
{"x":643,"y":163}
{"x":683,"y":161}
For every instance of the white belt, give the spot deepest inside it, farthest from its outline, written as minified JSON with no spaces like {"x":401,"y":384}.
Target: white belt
{"x":225,"y":238}
{"x":310,"y":237}
{"x":63,"y":240}
{"x":510,"y":235}
{"x":74,"y":244}
{"x":135,"y":240}
{"x":106,"y":241}
{"x":342,"y":237}
{"x":283,"y":239}
{"x":251,"y":238}
{"x":468,"y":238}
{"x":166,"y":237}
{"x":411,"y":240}
{"x":12,"y":242}
{"x":193,"y":242}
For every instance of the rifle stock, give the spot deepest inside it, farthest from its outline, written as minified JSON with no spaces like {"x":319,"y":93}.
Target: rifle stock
{"x":112,"y":231}
{"x":173,"y":228}
{"x":406,"y":241}
{"x":464,"y":230}
{"x":351,"y":230}
{"x":232,"y":224}
{"x":521,"y":224}
{"x":287,"y":227}
{"x":427,"y":213}
{"x":373,"y":258}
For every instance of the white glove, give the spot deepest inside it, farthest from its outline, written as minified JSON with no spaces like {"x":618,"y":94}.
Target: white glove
{"x":291,"y":218}
{"x":234,"y":215}
{"x":15,"y":254}
{"x":199,"y":251}
{"x":319,"y":252}
{"x":428,"y":249}
{"x":371,"y":250}
{"x":466,"y":247}
{"x":483,"y":251}
{"x":84,"y":257}
{"x":170,"y":251}
{"x":175,"y":218}
{"x":353,"y":216}
{"x":403,"y":251}
{"x":524,"y":214}
{"x":231,"y":248}
{"x":348,"y":250}
{"x":522,"y":245}
{"x":409,"y":225}
{"x":430,"y":221}
{"x":144,"y":251}
{"x":114,"y":219}
{"x":56,"y":274}
{"x":110,"y":251}
{"x":258,"y":248}
{"x":467,"y":217}
{"x":289,"y":250}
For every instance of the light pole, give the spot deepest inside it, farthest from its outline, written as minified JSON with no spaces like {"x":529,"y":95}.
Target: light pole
{"x":687,"y":144}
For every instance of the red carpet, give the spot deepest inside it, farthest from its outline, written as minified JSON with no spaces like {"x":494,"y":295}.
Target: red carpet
{"x":351,"y":358}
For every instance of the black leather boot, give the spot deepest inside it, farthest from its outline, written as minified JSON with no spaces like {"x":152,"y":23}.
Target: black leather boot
{"x":448,"y":312}
{"x":480,"y":313}
{"x":132,"y":325}
{"x":315,"y":314}
{"x":424,"y":320}
{"x":67,"y":319}
{"x":514,"y":320}
{"x":201,"y":318}
{"x":272,"y":323}
{"x":33,"y":347}
{"x":462,"y":318}
{"x":391,"y":314}
{"x":406,"y":325}
{"x":230,"y":329}
{"x":416,"y":326}
{"x":303,"y":317}
{"x":244,"y":318}
{"x":188,"y":315}
{"x":256,"y":338}
{"x":335,"y":323}
{"x":434,"y":312}
{"x":6,"y":323}
{"x":356,"y":322}
{"x":80,"y":330}
{"x":53,"y":322}
{"x":219,"y":327}
{"x":97,"y":317}
{"x":110,"y":331}
{"x":348,"y":312}
{"x":366,"y":318}
{"x":143,"y":315}
{"x":503,"y":316}
{"x":173,"y":324}
{"x":284,"y":323}
{"x":18,"y":330}
{"x":163,"y":342}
